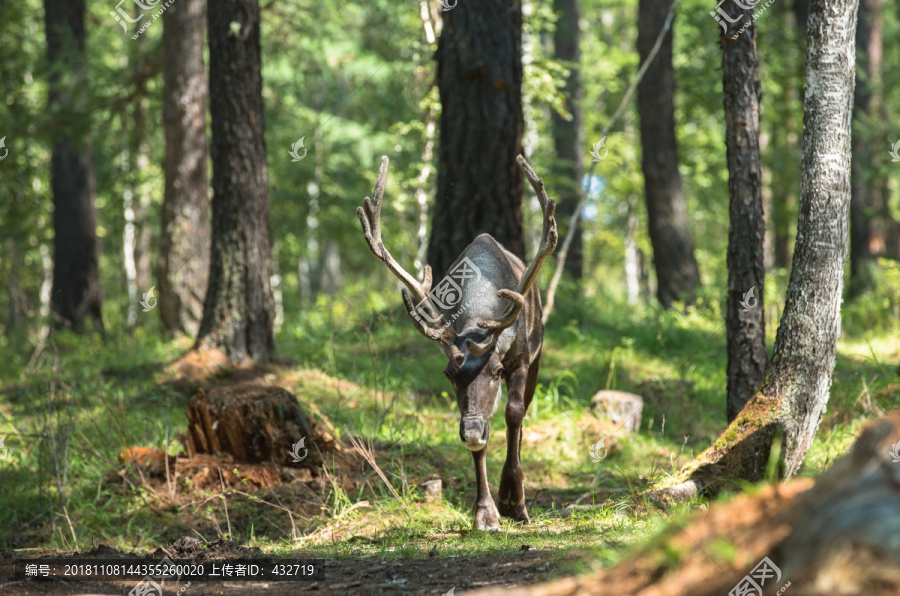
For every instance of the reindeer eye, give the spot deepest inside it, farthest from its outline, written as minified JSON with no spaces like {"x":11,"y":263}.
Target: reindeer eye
{"x":498,"y":372}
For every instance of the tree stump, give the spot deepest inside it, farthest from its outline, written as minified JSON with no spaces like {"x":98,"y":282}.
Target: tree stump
{"x":252,"y":423}
{"x":621,"y":408}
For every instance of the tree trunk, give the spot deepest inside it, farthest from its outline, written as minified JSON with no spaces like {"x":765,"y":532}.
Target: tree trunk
{"x":76,"y":274}
{"x":479,"y":74}
{"x":801,"y":12}
{"x":184,"y":234}
{"x":568,"y":137}
{"x":783,"y":155}
{"x":865,"y":187}
{"x":14,"y":329}
{"x":670,"y":235}
{"x":238,"y":310}
{"x":795,"y":389}
{"x":799,"y":377}
{"x":745,"y":316}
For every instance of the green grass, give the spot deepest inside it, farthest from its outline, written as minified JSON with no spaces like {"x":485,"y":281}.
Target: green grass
{"x":68,"y":417}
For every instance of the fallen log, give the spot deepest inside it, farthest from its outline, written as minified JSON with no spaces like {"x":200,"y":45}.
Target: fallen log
{"x":840,"y":536}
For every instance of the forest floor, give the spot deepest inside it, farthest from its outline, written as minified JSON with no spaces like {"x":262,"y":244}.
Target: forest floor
{"x":69,"y":414}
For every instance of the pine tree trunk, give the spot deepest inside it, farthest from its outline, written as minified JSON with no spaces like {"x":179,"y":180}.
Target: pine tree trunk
{"x":238,"y":310}
{"x":479,"y":74}
{"x":670,"y":235}
{"x":184,"y":234}
{"x":568,"y":137}
{"x":865,"y":186}
{"x":76,"y":254}
{"x":744,"y":319}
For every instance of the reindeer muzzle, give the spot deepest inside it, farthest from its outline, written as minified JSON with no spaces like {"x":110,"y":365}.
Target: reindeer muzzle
{"x":473,"y":431}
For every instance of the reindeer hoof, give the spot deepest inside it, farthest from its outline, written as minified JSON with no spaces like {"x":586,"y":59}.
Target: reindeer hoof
{"x":517,"y":513}
{"x":487,"y":518}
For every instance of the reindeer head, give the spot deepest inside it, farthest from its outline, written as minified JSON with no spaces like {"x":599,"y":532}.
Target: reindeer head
{"x":476,"y":345}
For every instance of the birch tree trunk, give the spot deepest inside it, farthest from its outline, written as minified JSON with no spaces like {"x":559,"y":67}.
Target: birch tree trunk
{"x":797,"y":382}
{"x":745,"y":316}
{"x":799,"y":377}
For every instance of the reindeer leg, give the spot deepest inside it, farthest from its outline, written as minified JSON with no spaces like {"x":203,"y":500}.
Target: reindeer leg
{"x":520,"y":389}
{"x":486,"y":515}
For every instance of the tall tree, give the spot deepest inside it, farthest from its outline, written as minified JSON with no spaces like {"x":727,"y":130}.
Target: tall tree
{"x":798,"y":379}
{"x":795,"y":389}
{"x":865,"y":198}
{"x":76,"y":256}
{"x":677,"y":275}
{"x":184,"y":235}
{"x":568,"y":134}
{"x":744,"y":319}
{"x":238,"y":310}
{"x":479,"y":74}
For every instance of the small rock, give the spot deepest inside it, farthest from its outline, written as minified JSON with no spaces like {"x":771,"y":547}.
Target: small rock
{"x":433,"y":490}
{"x":621,"y":408}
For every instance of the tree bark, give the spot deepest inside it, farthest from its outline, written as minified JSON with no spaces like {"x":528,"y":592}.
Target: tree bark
{"x":744,"y":319}
{"x":799,"y":377}
{"x":479,"y":74}
{"x":76,"y":274}
{"x":795,"y":389}
{"x":568,"y":134}
{"x":184,"y":234}
{"x":670,"y":235}
{"x":865,"y":199}
{"x":238,"y":309}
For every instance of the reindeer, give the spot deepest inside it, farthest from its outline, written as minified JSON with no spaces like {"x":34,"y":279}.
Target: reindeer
{"x":486,"y":317}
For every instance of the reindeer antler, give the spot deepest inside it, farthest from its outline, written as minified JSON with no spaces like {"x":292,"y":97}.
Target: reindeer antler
{"x":370,"y":218}
{"x":549,"y":238}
